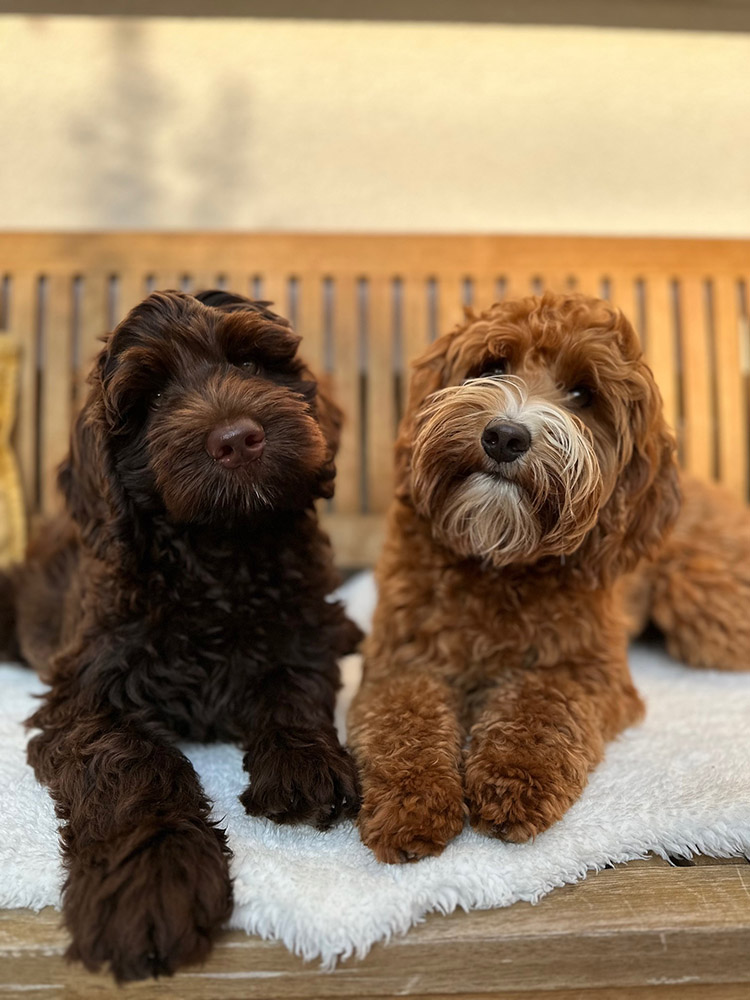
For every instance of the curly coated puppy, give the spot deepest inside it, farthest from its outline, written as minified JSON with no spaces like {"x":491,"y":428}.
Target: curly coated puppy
{"x":183,"y":596}
{"x":534,"y":468}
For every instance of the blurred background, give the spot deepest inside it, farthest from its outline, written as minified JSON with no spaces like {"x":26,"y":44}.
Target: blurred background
{"x":635,"y":120}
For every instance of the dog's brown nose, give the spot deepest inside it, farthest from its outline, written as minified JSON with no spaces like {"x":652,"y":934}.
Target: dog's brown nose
{"x":505,"y":441}
{"x":236,"y":443}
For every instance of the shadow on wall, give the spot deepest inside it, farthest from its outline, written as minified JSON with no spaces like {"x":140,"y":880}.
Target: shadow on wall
{"x":133,"y":158}
{"x":219,"y":149}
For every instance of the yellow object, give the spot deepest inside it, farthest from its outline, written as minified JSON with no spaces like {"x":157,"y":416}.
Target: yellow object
{"x":12,"y":515}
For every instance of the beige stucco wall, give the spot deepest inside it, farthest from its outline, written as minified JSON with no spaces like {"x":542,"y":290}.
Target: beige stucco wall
{"x":295,"y":125}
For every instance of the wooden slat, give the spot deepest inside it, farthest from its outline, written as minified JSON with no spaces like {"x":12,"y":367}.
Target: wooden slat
{"x":275,"y":289}
{"x":485,"y":292}
{"x":415,"y":322}
{"x":131,"y":289}
{"x":310,"y":322}
{"x":345,"y":385}
{"x":415,"y":327}
{"x":450,"y":308}
{"x":381,"y":395}
{"x":23,"y":320}
{"x":55,"y":386}
{"x":660,"y":341}
{"x":733,"y":432}
{"x":696,"y":363}
{"x":93,"y":324}
{"x":622,"y":295}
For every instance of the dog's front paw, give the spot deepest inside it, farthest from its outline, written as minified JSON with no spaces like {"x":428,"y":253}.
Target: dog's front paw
{"x":301,"y":777}
{"x":401,"y":824}
{"x":514,"y":796}
{"x":147,"y":903}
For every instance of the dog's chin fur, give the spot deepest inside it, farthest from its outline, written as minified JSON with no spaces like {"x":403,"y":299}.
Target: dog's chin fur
{"x":542,"y":504}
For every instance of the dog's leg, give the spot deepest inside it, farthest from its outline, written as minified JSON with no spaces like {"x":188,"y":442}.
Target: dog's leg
{"x":147,"y":872}
{"x":537,"y":739}
{"x":406,"y":737}
{"x":299,"y":772}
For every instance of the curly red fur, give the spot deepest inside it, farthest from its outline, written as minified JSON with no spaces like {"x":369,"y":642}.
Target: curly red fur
{"x":182,"y":599}
{"x":496,"y":671}
{"x":696,"y":591}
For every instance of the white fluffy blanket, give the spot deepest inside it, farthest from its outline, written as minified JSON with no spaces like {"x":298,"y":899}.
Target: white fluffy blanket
{"x":678,"y":783}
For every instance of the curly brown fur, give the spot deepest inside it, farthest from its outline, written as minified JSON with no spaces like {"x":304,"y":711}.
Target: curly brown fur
{"x":496,"y":670}
{"x":696,"y":591}
{"x":183,"y":596}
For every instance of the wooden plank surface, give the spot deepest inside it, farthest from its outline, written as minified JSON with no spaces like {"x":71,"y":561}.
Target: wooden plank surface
{"x":629,"y":928}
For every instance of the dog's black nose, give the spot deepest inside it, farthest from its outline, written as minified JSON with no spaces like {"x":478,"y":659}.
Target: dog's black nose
{"x":236,"y":443}
{"x":504,"y":441}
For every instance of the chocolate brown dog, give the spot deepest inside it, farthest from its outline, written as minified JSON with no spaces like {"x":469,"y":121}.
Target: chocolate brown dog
{"x":183,"y":596}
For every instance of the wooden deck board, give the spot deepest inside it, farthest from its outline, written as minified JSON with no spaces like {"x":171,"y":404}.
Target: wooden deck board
{"x":627,"y":932}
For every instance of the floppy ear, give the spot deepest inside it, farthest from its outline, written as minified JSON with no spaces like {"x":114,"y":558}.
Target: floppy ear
{"x":87,"y":478}
{"x":428,"y":374}
{"x":646,"y":499}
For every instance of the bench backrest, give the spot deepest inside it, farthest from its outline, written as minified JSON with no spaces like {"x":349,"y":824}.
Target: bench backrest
{"x":366,"y":305}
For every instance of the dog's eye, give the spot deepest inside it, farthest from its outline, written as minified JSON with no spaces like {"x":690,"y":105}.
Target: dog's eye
{"x":498,"y":366}
{"x":155,"y":400}
{"x":581,"y":396}
{"x":249,"y":367}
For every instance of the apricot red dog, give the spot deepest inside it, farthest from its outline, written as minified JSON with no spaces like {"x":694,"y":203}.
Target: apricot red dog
{"x":534,"y":469}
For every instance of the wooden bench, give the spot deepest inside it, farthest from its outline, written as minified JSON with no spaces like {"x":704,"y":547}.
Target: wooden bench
{"x":366,"y":305}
